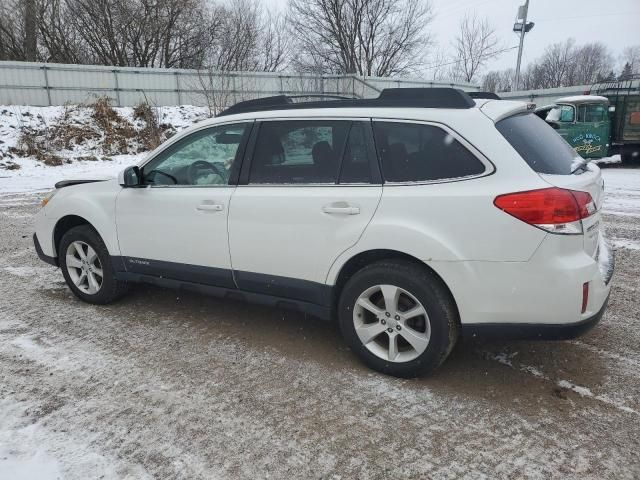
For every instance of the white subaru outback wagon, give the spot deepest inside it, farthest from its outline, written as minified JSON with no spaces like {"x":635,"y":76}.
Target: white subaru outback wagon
{"x":412,"y":218}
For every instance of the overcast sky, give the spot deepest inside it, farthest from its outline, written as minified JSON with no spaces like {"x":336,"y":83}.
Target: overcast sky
{"x":613,"y":22}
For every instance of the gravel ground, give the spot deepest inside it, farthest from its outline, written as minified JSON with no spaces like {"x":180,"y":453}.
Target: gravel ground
{"x":168,"y":384}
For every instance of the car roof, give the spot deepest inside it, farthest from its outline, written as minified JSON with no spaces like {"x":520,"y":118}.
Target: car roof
{"x":494,"y":109}
{"x":583,"y":99}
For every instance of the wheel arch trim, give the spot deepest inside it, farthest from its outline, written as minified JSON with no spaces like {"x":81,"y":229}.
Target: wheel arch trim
{"x":340,"y":273}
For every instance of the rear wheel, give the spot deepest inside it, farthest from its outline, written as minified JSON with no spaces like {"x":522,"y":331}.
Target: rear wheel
{"x":86,"y":265}
{"x":398,"y":318}
{"x":630,"y":156}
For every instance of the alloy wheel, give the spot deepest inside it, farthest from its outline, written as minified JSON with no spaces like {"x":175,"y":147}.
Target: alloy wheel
{"x":391,"y":323}
{"x":84,"y":267}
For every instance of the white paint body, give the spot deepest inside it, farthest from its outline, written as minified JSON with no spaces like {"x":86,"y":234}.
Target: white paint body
{"x":498,"y":269}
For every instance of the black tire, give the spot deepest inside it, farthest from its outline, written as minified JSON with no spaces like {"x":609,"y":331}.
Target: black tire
{"x":426,"y":287}
{"x":110,"y":289}
{"x":630,"y":157}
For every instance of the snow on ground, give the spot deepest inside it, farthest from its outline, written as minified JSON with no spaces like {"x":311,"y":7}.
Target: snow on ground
{"x":622,"y":190}
{"x":177,"y":385}
{"x":35,"y":176}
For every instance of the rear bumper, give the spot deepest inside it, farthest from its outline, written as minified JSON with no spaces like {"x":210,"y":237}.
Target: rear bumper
{"x":537,"y":295}
{"x":533,"y":331}
{"x":45,"y":258}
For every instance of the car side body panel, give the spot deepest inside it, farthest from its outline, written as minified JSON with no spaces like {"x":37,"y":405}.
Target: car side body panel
{"x":94,"y":202}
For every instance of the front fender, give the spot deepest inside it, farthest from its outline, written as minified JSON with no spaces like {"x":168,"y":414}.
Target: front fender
{"x":93,"y":202}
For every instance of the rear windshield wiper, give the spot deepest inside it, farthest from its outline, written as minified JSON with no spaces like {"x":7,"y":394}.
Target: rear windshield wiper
{"x":579,"y":165}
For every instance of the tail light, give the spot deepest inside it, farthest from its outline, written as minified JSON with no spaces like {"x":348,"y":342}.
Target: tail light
{"x":555,"y":210}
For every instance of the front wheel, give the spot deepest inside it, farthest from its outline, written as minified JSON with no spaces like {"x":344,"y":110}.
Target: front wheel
{"x":398,"y":318}
{"x":86,"y":265}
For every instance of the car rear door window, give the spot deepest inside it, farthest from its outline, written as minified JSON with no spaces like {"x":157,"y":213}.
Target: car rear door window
{"x":411,"y":152}
{"x":313,"y":152}
{"x":298,"y":151}
{"x":538,"y":144}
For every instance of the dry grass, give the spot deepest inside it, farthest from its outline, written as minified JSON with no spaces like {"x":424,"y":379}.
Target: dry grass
{"x":111,"y":133}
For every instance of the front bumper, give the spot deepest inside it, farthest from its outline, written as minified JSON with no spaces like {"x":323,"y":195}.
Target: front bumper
{"x":45,"y":258}
{"x":533,"y":331}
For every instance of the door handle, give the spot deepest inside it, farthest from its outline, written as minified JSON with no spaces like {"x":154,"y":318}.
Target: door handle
{"x":341,"y":210}
{"x":210,"y":207}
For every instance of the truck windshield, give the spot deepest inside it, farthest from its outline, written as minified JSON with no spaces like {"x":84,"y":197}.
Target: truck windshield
{"x":538,"y":144}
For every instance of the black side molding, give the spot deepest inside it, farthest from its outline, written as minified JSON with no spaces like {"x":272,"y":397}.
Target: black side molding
{"x":533,"y":331}
{"x":319,"y":311}
{"x":45,"y":258}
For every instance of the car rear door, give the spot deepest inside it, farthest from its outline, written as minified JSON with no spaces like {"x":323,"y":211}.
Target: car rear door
{"x":307,"y":194}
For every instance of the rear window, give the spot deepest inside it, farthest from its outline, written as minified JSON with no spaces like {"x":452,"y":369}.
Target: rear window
{"x":538,"y":144}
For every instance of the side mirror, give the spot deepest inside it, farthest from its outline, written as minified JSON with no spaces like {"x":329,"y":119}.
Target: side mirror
{"x":130,"y":177}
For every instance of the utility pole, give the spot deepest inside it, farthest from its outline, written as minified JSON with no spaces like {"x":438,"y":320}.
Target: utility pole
{"x":522,"y":27}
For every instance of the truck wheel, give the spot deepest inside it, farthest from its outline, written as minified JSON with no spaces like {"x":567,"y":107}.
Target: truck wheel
{"x":86,"y":265}
{"x":399,"y":318}
{"x":630,"y":156}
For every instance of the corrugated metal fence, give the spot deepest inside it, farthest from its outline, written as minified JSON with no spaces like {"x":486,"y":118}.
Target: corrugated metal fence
{"x":40,"y":84}
{"x":545,"y":96}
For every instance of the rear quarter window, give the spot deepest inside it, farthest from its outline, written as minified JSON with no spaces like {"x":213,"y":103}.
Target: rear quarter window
{"x":538,"y":144}
{"x":412,"y":152}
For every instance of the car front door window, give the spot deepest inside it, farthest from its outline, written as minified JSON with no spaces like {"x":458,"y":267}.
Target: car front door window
{"x":204,"y":158}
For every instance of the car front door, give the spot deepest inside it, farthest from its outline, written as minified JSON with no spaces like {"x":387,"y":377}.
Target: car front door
{"x":175,"y":225}
{"x":307,"y":195}
{"x":591,"y":136}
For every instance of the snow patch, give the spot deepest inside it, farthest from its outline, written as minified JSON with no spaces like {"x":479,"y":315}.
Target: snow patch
{"x":625,"y":243}
{"x":622,"y":191}
{"x":614,"y":159}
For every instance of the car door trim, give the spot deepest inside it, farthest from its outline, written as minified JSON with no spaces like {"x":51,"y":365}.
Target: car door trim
{"x":135,"y":269}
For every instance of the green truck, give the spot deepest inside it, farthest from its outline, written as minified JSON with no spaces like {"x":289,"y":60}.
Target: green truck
{"x":603,"y":122}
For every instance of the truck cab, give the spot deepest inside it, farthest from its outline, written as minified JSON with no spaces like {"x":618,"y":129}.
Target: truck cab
{"x":583,"y":121}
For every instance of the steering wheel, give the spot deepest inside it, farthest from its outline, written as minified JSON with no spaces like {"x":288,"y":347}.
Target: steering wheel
{"x":193,"y":171}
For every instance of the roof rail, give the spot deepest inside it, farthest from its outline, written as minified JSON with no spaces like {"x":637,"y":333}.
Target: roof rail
{"x":389,"y":97}
{"x":487,"y":95}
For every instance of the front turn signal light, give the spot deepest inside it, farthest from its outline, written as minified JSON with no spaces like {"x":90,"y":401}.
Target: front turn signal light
{"x":47,"y":198}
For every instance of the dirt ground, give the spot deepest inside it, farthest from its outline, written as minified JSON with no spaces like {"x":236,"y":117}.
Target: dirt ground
{"x":168,"y":384}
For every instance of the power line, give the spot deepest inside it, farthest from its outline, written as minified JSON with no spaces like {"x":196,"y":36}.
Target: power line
{"x":588,"y":16}
{"x":488,"y":54}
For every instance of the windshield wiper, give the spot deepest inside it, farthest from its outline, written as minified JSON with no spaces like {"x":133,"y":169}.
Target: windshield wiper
{"x":579,"y":164}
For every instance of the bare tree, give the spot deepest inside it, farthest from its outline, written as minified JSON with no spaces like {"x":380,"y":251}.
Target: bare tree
{"x":366,"y":37}
{"x":438,"y":66}
{"x":274,"y":44}
{"x":60,"y":41}
{"x":216,"y":88}
{"x":499,"y":80}
{"x":475,"y":44}
{"x":12,"y":30}
{"x":631,"y":55}
{"x":592,"y":62}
